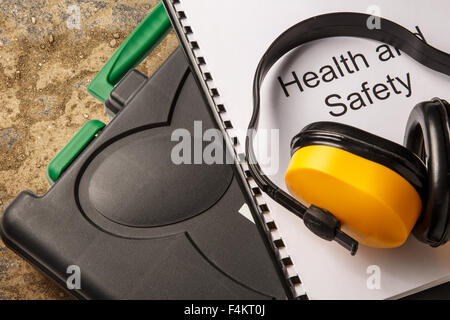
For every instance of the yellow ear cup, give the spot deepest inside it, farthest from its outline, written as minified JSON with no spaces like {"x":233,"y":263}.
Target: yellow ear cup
{"x":375,"y":205}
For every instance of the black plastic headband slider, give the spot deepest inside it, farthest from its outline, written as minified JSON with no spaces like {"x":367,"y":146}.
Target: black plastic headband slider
{"x":325,"y":225}
{"x":321,"y":222}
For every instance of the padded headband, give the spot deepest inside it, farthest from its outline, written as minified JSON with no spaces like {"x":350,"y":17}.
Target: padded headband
{"x":325,"y":26}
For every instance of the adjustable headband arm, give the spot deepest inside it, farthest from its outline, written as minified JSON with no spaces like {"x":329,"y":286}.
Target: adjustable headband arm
{"x":320,"y":27}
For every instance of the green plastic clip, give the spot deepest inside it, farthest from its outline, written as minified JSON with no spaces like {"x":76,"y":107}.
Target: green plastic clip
{"x":73,"y":149}
{"x":134,"y":49}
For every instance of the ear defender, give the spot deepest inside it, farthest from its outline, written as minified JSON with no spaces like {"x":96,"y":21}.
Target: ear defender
{"x":427,"y":135}
{"x":375,"y":187}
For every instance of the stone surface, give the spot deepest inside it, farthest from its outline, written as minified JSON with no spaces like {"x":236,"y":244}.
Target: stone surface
{"x":46,"y":64}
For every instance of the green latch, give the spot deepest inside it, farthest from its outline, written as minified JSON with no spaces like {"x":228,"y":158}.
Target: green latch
{"x":134,"y":49}
{"x":73,"y":149}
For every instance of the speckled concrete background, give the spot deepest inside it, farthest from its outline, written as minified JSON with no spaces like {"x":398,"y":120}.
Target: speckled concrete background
{"x":45,"y":68}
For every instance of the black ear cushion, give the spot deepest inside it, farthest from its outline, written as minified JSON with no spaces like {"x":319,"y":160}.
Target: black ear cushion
{"x":427,"y":135}
{"x":368,"y":146}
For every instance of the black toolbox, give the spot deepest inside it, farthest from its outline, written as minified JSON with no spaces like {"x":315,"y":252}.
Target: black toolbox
{"x":138,"y":226}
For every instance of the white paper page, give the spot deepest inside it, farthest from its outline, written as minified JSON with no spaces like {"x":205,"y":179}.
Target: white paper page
{"x":233,"y":35}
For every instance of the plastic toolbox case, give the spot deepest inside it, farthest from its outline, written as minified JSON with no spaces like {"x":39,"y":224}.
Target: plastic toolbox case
{"x":137,"y":225}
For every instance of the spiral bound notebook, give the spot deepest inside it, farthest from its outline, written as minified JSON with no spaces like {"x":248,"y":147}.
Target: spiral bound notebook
{"x":224,"y":41}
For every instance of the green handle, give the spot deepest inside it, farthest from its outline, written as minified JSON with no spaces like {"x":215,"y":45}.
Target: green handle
{"x":134,"y":49}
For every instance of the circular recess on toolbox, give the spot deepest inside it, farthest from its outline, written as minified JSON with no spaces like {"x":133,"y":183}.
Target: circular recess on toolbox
{"x":134,"y":182}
